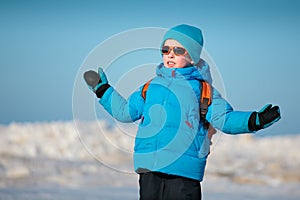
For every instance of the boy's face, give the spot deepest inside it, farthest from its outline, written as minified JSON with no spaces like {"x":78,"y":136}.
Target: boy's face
{"x":175,"y":61}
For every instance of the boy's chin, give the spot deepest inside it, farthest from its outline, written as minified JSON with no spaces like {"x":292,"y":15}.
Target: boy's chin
{"x":173,"y":66}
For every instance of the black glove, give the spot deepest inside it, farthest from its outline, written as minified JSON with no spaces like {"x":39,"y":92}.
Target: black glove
{"x":97,"y":82}
{"x":267,"y":116}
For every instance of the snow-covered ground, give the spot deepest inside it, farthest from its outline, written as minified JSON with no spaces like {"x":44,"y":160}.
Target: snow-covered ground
{"x":59,"y":160}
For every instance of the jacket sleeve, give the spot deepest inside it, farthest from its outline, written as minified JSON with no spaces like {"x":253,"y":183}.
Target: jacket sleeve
{"x":121,"y":109}
{"x":222,"y":116}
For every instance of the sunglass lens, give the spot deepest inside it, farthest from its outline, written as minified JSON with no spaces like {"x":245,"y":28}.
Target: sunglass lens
{"x":165,"y":49}
{"x":179,"y":50}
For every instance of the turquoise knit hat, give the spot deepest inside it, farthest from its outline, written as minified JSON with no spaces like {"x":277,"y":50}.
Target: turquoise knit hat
{"x":189,"y":37}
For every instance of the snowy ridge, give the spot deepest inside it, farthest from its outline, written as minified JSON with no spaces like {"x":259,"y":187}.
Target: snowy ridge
{"x":248,"y":159}
{"x":242,"y":159}
{"x":61,"y":140}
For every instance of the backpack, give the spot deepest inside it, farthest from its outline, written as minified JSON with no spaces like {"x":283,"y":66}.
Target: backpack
{"x":205,"y":99}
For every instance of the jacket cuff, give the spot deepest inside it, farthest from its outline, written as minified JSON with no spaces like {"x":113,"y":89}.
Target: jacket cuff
{"x":101,"y":90}
{"x":252,"y":122}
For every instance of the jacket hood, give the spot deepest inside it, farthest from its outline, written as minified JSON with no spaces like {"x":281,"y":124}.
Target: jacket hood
{"x":199,"y":72}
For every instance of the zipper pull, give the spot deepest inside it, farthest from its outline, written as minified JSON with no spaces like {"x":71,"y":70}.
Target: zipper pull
{"x":173,"y":73}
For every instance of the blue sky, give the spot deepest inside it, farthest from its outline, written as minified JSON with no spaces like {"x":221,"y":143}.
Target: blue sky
{"x":255,"y":45}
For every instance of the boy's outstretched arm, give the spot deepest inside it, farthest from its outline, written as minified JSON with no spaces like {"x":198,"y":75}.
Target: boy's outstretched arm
{"x":111,"y":100}
{"x":222,"y":116}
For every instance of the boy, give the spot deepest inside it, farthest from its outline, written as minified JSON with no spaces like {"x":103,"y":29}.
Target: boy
{"x":172,"y":144}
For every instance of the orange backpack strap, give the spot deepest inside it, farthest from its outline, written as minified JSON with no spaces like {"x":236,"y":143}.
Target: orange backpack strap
{"x":205,"y":101}
{"x":206,"y":94}
{"x":145,"y":88}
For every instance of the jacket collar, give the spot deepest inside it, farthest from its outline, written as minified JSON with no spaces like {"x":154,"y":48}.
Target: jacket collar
{"x":189,"y":73}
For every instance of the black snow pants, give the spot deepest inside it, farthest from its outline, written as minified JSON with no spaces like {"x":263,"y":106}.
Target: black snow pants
{"x":160,"y":186}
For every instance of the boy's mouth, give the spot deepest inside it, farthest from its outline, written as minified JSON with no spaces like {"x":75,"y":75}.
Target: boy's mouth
{"x":171,"y":63}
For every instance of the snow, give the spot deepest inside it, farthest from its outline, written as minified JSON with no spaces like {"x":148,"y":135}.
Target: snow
{"x":67,"y":160}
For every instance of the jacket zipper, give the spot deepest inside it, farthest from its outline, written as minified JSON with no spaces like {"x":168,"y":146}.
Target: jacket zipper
{"x":164,"y":104}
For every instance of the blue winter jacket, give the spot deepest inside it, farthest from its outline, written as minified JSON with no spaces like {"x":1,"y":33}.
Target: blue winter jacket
{"x":170,"y":137}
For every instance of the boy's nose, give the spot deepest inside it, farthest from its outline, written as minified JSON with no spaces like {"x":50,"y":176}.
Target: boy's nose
{"x":171,"y":54}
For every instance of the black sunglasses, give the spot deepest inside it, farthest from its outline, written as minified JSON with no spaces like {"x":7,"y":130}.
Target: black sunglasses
{"x":178,"y":51}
